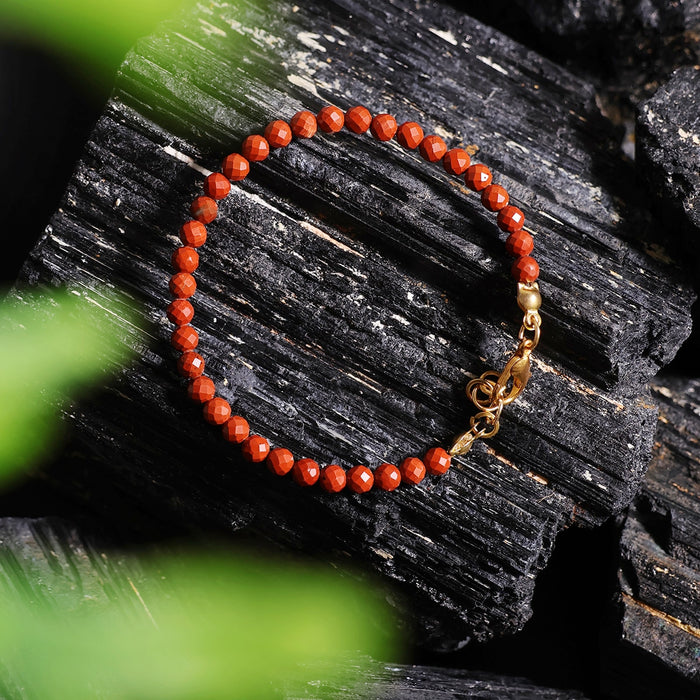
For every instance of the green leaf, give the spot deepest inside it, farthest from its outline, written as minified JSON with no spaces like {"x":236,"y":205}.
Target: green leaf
{"x":195,"y":627}
{"x":50,"y":346}
{"x":97,"y":32}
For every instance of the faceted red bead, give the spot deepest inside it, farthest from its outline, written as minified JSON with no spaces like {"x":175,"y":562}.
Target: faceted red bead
{"x":360,"y":479}
{"x":525,"y":269}
{"x":193,"y":233}
{"x":217,"y":186}
{"x":456,"y":161}
{"x":383,"y":127}
{"x":235,"y":167}
{"x":201,"y":389}
{"x":255,"y":148}
{"x":280,"y":461}
{"x":182,"y":285}
{"x":432,"y":148}
{"x":358,"y":119}
{"x":204,"y":209}
{"x":387,"y":476}
{"x":306,"y":472}
{"x":236,"y":429}
{"x":519,"y":243}
{"x":303,"y":124}
{"x":185,"y":259}
{"x":333,"y":478}
{"x":437,"y":461}
{"x":494,"y":197}
{"x":410,"y":135}
{"x":255,"y":448}
{"x":477,"y":177}
{"x":412,"y":470}
{"x":180,"y":312}
{"x":330,"y":119}
{"x":278,"y":134}
{"x":510,"y":219}
{"x":184,"y":338}
{"x":217,"y":411}
{"x":190,"y":365}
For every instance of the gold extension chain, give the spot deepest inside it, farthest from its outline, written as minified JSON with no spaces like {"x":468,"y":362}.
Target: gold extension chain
{"x":492,"y":391}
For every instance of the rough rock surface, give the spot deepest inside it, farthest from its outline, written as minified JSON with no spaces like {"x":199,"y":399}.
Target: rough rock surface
{"x":349,"y":290}
{"x":668,"y":152}
{"x":653,"y":649}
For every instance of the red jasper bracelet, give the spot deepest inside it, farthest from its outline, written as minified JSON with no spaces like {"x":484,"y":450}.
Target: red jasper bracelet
{"x":489,"y":393}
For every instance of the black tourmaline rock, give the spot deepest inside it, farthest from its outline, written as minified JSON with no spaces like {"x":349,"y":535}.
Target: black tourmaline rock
{"x":668,"y":152}
{"x":349,"y":290}
{"x":401,"y":682}
{"x":668,"y":157}
{"x":48,"y":559}
{"x":627,"y":47}
{"x":653,"y":647}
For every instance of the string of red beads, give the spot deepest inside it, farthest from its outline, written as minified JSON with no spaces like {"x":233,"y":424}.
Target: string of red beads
{"x":193,"y":234}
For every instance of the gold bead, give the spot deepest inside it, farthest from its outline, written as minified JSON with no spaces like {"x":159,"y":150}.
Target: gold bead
{"x":529,"y":298}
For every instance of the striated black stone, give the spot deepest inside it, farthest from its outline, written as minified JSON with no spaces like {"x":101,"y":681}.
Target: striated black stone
{"x":668,"y":153}
{"x":653,"y":649}
{"x":349,"y":290}
{"x":668,"y":156}
{"x":48,"y":559}
{"x":626,"y":47}
{"x":402,"y":682}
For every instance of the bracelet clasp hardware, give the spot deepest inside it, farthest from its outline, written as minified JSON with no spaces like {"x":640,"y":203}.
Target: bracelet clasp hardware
{"x":492,"y":391}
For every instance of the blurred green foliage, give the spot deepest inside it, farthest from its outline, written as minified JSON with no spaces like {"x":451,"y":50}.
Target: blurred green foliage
{"x":208,"y":628}
{"x":94,"y":35}
{"x":50,"y":346}
{"x":214,"y":627}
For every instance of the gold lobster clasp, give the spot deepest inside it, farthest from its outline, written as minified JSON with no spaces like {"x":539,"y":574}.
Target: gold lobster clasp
{"x":514,"y":377}
{"x":492,"y":391}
